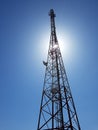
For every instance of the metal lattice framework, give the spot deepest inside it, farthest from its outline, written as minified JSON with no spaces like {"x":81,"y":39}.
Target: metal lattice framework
{"x":57,"y":109}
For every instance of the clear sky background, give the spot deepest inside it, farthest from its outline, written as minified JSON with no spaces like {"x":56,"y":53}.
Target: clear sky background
{"x":24,"y":41}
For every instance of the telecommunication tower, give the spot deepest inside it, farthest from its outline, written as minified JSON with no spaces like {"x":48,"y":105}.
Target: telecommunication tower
{"x":57,"y":109}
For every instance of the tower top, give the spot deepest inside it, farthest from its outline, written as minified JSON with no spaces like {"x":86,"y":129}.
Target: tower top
{"x":51,"y":13}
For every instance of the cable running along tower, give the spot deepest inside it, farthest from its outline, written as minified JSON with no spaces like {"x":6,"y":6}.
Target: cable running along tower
{"x":57,"y":109}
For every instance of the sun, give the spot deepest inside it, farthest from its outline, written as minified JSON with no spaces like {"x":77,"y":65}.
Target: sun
{"x":66,"y":43}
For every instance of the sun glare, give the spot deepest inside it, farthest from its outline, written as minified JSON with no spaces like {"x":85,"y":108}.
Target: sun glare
{"x":66,"y":44}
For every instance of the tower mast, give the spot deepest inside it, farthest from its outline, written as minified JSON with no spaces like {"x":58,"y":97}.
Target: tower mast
{"x":57,"y":109}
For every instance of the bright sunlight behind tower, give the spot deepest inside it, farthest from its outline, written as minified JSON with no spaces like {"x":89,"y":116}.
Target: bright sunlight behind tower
{"x":66,"y":42}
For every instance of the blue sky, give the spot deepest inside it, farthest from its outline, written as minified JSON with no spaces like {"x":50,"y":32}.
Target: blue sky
{"x":24,"y":41}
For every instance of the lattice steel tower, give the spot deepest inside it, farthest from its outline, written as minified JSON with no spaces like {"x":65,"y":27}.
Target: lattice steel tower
{"x":57,"y":109}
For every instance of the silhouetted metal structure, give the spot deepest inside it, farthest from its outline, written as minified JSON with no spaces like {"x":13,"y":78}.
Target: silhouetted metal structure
{"x":57,"y":109}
